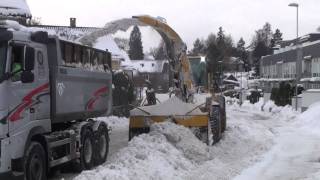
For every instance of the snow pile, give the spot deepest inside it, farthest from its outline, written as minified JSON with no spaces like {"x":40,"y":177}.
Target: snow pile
{"x":184,"y":140}
{"x":171,"y":107}
{"x":311,"y":117}
{"x":170,"y":151}
{"x":286,"y":112}
{"x":245,"y":140}
{"x":148,"y":156}
{"x":14,"y":8}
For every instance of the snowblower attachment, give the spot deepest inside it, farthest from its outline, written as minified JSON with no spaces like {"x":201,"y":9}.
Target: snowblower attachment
{"x":174,"y":109}
{"x":200,"y":117}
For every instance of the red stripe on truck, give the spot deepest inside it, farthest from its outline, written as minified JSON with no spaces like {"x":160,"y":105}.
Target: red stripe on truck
{"x":27,"y":101}
{"x":96,"y":96}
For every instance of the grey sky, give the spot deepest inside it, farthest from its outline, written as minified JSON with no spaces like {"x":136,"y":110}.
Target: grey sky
{"x":190,"y":18}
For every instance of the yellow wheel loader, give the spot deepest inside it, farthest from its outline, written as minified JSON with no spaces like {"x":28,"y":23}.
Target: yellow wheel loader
{"x":204,"y":114}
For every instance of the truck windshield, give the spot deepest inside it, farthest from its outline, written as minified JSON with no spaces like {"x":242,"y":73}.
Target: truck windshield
{"x":3,"y":56}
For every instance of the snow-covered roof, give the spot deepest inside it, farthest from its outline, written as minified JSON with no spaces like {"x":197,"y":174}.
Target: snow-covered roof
{"x":14,"y":8}
{"x":107,"y":42}
{"x":149,"y":66}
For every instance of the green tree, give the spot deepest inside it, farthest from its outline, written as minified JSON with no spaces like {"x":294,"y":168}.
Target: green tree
{"x":160,"y":52}
{"x":276,"y":38}
{"x":135,"y":44}
{"x":199,"y":47}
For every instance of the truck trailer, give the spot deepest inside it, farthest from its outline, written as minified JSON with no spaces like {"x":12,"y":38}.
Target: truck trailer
{"x":51,"y":91}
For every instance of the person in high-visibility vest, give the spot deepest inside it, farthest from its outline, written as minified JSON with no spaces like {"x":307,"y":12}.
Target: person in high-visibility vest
{"x":16,"y":69}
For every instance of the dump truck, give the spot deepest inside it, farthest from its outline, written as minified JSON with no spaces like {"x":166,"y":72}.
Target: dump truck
{"x":50,"y":92}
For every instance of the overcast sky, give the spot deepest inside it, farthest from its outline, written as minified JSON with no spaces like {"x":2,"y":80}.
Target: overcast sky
{"x":190,"y":18}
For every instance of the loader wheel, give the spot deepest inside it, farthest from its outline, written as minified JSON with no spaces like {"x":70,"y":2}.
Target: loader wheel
{"x":202,"y":134}
{"x":35,"y":162}
{"x":216,"y":132}
{"x":102,"y":147}
{"x":215,"y":123}
{"x":222,"y":103}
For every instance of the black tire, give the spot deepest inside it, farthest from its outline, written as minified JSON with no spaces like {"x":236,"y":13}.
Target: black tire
{"x":215,"y":123}
{"x":222,"y":103}
{"x":217,"y":132}
{"x":203,"y":135}
{"x":102,"y":144}
{"x":35,"y":162}
{"x":83,"y":163}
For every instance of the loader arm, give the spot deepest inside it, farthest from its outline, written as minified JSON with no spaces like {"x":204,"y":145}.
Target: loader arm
{"x":180,"y":69}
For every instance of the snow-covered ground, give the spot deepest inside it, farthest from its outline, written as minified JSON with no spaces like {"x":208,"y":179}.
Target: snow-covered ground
{"x":265,"y":143}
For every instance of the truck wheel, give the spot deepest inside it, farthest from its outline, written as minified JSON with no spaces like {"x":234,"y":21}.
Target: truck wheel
{"x":102,"y":144}
{"x":35,"y":162}
{"x":86,"y":150}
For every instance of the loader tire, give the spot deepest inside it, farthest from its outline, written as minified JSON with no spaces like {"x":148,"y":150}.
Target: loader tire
{"x":216,"y":132}
{"x":203,"y":135}
{"x":102,"y":144}
{"x":222,"y":103}
{"x":215,"y":123}
{"x":35,"y":162}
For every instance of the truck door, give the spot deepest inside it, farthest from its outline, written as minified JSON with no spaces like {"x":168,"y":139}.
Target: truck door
{"x":25,"y":87}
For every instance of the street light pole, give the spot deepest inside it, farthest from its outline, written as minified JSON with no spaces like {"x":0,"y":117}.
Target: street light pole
{"x":296,"y":5}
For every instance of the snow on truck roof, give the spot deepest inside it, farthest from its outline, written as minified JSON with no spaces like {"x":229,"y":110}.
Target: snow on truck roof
{"x":14,"y":8}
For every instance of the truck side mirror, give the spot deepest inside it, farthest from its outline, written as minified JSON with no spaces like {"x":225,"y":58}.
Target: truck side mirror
{"x":29,"y":59}
{"x":27,"y":77}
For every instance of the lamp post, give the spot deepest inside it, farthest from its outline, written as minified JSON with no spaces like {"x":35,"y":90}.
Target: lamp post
{"x":296,"y":5}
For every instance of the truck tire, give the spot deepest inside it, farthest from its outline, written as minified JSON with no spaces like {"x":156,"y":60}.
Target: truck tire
{"x":35,"y":162}
{"x":87,"y":148}
{"x":102,"y":145}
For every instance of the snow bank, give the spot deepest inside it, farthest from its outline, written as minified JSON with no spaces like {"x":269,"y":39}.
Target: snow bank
{"x":184,"y":140}
{"x":148,"y":156}
{"x":311,"y":117}
{"x":171,"y":151}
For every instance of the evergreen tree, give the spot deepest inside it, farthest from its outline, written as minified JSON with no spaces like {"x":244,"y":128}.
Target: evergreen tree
{"x":260,"y":50}
{"x":214,"y":56}
{"x":198,"y":47}
{"x":135,"y":44}
{"x":242,"y":53}
{"x":220,"y":37}
{"x":160,"y":52}
{"x":276,"y":38}
{"x":240,"y":44}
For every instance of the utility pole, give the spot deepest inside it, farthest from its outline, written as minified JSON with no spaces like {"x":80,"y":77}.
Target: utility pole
{"x":298,"y":60}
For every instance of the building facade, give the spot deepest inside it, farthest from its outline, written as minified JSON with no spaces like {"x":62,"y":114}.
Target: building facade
{"x":281,"y":65}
